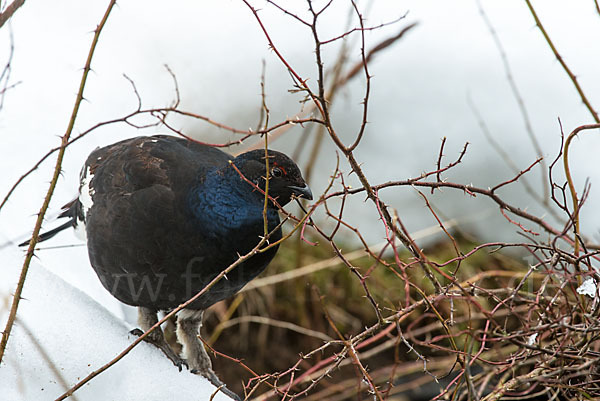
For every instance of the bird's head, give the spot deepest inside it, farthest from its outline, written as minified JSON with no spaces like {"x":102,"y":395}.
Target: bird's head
{"x":285,"y":178}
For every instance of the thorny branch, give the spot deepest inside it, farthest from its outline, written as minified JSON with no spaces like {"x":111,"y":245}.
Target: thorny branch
{"x":503,"y":329}
{"x":562,"y":62}
{"x":551,"y":260}
{"x":38,"y":225}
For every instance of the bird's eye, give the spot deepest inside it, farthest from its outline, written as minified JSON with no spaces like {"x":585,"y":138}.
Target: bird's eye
{"x":276,"y":172}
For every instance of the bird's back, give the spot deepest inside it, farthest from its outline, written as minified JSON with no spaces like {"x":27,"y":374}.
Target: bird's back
{"x":141,"y":162}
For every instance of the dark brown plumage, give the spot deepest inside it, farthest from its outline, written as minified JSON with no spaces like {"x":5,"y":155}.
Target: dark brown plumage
{"x":163,"y":216}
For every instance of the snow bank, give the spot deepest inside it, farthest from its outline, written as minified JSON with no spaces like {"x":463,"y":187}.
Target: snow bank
{"x":61,"y":335}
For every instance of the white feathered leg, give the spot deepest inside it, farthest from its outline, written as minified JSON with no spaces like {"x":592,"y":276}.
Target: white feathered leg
{"x":189,"y":323}
{"x":148,"y":318}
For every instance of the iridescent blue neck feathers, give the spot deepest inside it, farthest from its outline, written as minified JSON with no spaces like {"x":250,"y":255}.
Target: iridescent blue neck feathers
{"x":224,"y":203}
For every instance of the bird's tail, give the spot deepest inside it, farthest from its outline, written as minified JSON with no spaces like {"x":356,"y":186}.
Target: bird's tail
{"x":69,"y":210}
{"x":51,"y":233}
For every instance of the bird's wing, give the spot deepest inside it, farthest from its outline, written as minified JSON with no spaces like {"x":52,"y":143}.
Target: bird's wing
{"x":134,"y":197}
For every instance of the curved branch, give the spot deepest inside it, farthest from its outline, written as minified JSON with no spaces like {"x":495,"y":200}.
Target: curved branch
{"x":570,"y":179}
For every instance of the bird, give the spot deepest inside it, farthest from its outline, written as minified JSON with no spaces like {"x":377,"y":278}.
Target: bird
{"x":163,"y":216}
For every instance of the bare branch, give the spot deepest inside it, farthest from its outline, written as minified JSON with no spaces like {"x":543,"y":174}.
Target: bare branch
{"x":9,"y":11}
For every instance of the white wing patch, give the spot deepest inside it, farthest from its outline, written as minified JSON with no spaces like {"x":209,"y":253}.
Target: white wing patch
{"x":85,"y":197}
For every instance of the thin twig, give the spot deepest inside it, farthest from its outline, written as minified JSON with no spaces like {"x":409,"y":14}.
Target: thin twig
{"x":519,"y":99}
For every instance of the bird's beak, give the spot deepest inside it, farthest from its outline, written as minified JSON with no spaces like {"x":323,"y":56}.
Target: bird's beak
{"x":302,"y":192}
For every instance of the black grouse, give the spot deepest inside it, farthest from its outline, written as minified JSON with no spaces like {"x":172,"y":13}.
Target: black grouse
{"x":163,"y":216}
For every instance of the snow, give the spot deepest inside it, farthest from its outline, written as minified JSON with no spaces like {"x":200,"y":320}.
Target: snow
{"x":61,"y":335}
{"x":588,"y":288}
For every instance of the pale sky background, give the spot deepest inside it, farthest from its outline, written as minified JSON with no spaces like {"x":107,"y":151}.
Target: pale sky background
{"x":419,"y":94}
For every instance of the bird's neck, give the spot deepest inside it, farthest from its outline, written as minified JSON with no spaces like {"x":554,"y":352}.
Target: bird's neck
{"x":224,"y":204}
